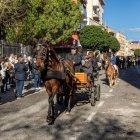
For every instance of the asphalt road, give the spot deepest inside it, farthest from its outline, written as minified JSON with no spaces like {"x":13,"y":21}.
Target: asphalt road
{"x":115,"y":117}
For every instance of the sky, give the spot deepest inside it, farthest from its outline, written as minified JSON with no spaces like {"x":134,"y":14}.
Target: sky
{"x":123,"y":16}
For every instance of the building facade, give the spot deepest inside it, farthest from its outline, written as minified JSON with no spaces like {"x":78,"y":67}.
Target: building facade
{"x":92,"y":12}
{"x":135,"y":45}
{"x":95,"y":12}
{"x":125,"y":48}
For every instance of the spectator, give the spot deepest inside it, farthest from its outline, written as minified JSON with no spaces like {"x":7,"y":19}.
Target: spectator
{"x":29,"y":58}
{"x":36,"y":73}
{"x":4,"y":78}
{"x":20,"y":76}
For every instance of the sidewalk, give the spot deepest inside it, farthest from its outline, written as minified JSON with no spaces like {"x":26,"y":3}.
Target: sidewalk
{"x":10,"y":95}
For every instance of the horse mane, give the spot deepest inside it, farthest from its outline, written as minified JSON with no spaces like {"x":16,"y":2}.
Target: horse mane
{"x":105,"y":56}
{"x":53,"y":54}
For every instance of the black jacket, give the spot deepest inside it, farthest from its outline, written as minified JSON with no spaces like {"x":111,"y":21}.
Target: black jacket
{"x":35,"y":70}
{"x":75,"y":58}
{"x":20,"y":71}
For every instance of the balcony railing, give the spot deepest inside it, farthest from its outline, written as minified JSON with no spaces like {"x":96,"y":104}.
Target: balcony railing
{"x":96,"y":16}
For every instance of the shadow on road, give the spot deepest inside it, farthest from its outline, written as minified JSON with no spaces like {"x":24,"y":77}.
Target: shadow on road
{"x":99,"y":129}
{"x":10,"y":95}
{"x":131,"y":76}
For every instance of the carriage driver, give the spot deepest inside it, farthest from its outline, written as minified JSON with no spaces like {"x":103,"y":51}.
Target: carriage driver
{"x":75,"y":57}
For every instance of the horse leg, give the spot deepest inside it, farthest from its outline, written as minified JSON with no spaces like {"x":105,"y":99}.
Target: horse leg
{"x":50,"y":117}
{"x":68,"y":101}
{"x":114,"y":79}
{"x":110,"y":80}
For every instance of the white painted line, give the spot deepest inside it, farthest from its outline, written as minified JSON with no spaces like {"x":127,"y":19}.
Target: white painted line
{"x":100,"y":104}
{"x":30,"y":94}
{"x":111,"y":90}
{"x":76,"y":136}
{"x":94,"y":113}
{"x":35,"y":92}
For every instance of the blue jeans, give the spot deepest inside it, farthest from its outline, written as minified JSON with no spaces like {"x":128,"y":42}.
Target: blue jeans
{"x":36,"y":81}
{"x":19,"y":87}
{"x":4,"y":85}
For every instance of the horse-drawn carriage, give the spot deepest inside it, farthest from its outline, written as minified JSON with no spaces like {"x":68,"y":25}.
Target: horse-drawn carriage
{"x":91,"y":89}
{"x":57,"y":75}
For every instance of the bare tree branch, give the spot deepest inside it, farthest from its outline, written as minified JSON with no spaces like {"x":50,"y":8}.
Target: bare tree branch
{"x":11,"y":9}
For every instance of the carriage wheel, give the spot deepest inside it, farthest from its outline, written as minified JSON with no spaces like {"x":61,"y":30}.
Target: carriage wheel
{"x":59,"y":98}
{"x":97,"y":76}
{"x":97,"y":92}
{"x":93,"y":99}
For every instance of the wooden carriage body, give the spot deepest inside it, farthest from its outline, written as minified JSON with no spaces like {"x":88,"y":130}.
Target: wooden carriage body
{"x":89,"y":88}
{"x":82,"y":80}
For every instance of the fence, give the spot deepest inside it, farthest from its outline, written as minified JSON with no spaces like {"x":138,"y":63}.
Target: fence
{"x":6,"y":50}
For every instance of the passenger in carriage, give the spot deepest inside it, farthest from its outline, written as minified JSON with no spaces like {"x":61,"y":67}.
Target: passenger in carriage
{"x":87,"y":67}
{"x":96,"y":62}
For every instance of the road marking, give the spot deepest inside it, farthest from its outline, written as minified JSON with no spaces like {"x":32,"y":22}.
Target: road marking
{"x":94,"y":113}
{"x":76,"y":136}
{"x":14,"y":119}
{"x":35,"y":92}
{"x":111,"y":90}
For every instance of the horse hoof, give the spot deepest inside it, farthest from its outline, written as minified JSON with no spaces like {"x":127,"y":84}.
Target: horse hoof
{"x":67,"y":113}
{"x":50,"y":120}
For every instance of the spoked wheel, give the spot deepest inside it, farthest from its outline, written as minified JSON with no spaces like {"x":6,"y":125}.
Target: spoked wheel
{"x":97,"y":92}
{"x":59,"y":98}
{"x":97,"y":76}
{"x":92,"y":98}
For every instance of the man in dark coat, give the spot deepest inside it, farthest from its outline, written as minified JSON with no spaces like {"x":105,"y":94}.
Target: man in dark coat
{"x":75,"y":57}
{"x":20,"y":76}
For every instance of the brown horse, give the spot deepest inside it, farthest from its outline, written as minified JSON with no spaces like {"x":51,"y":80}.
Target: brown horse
{"x":55,"y":72}
{"x":111,"y":75}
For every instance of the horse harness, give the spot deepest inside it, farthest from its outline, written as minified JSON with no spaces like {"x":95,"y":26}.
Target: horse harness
{"x":45,"y":55}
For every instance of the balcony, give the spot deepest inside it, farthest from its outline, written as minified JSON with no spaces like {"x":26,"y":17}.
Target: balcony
{"x":98,"y":3}
{"x":102,"y":2}
{"x":96,"y":16}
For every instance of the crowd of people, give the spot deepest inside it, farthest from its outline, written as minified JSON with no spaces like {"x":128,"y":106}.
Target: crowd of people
{"x":15,"y":70}
{"x":127,"y":62}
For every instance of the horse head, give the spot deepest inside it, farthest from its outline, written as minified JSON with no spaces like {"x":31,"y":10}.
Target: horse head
{"x":45,"y":57}
{"x":41,"y":53}
{"x":107,"y":63}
